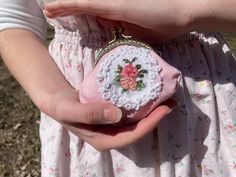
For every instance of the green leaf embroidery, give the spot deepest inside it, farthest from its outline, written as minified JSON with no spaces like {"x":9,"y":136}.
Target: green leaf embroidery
{"x":140,"y":85}
{"x":143,"y":71}
{"x":141,"y":75}
{"x":117,"y":78}
{"x":119,"y":67}
{"x":126,"y":60}
{"x":133,"y":59}
{"x":124,"y":90}
{"x":138,"y":66}
{"x":116,"y":83}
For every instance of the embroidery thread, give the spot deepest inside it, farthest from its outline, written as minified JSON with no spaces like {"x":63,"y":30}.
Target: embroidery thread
{"x":129,"y":77}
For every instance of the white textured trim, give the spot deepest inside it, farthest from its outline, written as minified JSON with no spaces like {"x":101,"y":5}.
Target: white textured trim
{"x":131,"y":99}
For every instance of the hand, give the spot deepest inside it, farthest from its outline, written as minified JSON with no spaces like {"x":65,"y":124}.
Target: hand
{"x":161,"y":18}
{"x":89,"y":122}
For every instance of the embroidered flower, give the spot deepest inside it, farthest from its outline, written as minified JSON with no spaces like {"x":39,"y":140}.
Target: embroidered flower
{"x":130,"y":76}
{"x":129,"y":71}
{"x":128,"y":83}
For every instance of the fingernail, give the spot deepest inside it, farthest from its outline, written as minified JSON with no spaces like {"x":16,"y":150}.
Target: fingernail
{"x":112,"y":114}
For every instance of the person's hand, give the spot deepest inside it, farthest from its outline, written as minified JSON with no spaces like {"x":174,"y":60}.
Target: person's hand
{"x":164,"y":19}
{"x":93,"y":122}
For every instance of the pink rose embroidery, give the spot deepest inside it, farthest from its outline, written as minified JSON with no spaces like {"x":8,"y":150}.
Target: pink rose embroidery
{"x":128,"y":83}
{"x":129,"y":71}
{"x":130,"y":76}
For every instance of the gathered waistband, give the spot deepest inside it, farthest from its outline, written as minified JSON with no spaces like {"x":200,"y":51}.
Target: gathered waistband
{"x":93,"y":39}
{"x":97,"y":40}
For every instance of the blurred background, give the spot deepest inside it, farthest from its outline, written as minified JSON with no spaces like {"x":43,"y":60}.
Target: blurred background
{"x":19,"y":125}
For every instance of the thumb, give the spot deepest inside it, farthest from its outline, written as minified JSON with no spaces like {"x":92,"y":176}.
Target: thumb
{"x":97,"y":113}
{"x":122,"y":136}
{"x":93,"y":113}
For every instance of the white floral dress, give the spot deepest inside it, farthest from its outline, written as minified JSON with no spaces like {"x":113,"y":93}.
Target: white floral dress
{"x":197,"y":139}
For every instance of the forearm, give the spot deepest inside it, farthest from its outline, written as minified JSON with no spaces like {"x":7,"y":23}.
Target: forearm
{"x":29,"y":61}
{"x":212,"y":15}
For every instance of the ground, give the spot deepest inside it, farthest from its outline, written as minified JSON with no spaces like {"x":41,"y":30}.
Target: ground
{"x":19,"y":126}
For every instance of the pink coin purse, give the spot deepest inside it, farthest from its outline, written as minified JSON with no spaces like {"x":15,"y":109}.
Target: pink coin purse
{"x":130,"y":75}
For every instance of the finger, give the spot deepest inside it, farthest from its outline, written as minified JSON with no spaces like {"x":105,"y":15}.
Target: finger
{"x":93,"y":113}
{"x":59,"y":11}
{"x":98,"y":136}
{"x":113,"y":130}
{"x":62,"y":13}
{"x":58,"y":5}
{"x":94,"y":7}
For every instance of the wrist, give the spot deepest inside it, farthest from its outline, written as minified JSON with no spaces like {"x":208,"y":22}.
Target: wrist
{"x":201,"y":16}
{"x":187,"y":16}
{"x":48,"y":100}
{"x":195,"y":14}
{"x":212,"y":15}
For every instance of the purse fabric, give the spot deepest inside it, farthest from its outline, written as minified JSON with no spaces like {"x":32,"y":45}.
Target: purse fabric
{"x":133,"y":78}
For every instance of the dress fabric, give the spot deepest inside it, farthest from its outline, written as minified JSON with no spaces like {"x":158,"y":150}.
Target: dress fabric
{"x":197,"y":139}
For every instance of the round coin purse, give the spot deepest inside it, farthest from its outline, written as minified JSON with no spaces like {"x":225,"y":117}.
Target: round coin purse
{"x":130,"y":75}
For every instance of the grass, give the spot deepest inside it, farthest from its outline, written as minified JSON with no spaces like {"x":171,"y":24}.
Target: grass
{"x":231,"y":40}
{"x":19,"y":126}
